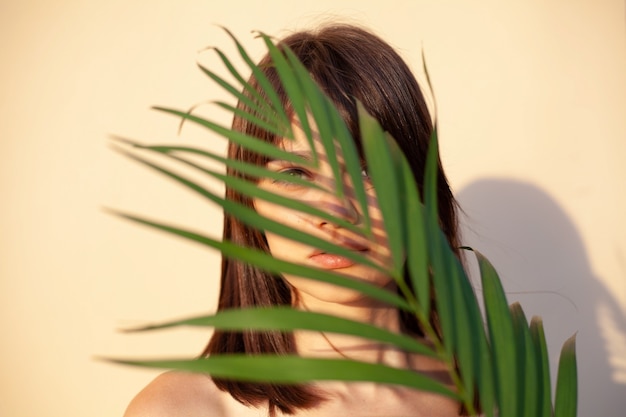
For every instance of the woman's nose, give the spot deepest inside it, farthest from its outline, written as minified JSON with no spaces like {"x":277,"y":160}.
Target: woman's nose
{"x":343,"y":208}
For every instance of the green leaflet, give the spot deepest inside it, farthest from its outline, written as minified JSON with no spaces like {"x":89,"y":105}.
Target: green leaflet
{"x":542,"y":366}
{"x":566,"y":401}
{"x":437,"y":248}
{"x":381,"y":164}
{"x":503,"y":341}
{"x":246,"y":169}
{"x":244,"y":140}
{"x":294,"y":90}
{"x":259,"y":107}
{"x":251,"y":189}
{"x":249,"y":216}
{"x":280,"y":131}
{"x":416,"y":241}
{"x":330,"y":122}
{"x":265,"y":84}
{"x":528,"y":395}
{"x":468,"y":354}
{"x":286,"y":318}
{"x":294,"y":369}
{"x":269,"y":263}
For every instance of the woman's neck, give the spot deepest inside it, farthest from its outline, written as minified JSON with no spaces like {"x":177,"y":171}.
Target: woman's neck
{"x":329,"y":345}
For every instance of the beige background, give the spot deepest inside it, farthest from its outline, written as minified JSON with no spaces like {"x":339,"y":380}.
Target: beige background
{"x":532,"y":106}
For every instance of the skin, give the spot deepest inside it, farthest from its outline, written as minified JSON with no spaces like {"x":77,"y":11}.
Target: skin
{"x":195,"y":395}
{"x":313,"y":294}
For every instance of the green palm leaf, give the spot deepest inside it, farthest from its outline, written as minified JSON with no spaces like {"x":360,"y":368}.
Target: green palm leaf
{"x":265,"y":84}
{"x":503,"y":363}
{"x":542,"y":366}
{"x":249,"y":216}
{"x":244,"y":140}
{"x":328,"y":118}
{"x":285,"y":319}
{"x":382,"y":162}
{"x":294,"y":369}
{"x":246,"y":169}
{"x":271,"y":264}
{"x":504,"y":343}
{"x":254,"y":101}
{"x":250,"y":189}
{"x":565,"y":403}
{"x":528,"y":387}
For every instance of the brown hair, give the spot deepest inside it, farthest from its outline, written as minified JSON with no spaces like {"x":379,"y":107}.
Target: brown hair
{"x":349,"y":64}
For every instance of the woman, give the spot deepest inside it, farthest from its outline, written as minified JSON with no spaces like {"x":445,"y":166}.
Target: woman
{"x":349,"y":64}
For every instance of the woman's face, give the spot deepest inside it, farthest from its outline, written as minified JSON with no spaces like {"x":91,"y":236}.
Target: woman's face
{"x":375,"y":248}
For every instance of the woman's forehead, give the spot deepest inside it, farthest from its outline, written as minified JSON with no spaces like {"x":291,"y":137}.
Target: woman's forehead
{"x":300,"y":142}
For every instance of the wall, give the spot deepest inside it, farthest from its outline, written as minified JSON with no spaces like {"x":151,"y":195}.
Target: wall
{"x":531,"y":100}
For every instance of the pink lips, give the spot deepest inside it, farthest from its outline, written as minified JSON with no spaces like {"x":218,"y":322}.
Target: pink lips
{"x":330,"y":261}
{"x":333,"y":261}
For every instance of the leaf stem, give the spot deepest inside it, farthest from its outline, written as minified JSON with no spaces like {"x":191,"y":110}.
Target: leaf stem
{"x":432,"y":336}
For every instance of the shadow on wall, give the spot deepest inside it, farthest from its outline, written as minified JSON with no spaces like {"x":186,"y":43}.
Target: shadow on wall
{"x":543,"y":264}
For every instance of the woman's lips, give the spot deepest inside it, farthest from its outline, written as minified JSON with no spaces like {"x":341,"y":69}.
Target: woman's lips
{"x":330,"y":261}
{"x":333,"y":261}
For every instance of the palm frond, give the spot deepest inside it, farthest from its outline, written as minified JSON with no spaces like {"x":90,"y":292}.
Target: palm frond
{"x":295,"y":369}
{"x":502,"y":362}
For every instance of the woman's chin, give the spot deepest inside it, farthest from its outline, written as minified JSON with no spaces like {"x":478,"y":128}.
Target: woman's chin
{"x":310,"y":292}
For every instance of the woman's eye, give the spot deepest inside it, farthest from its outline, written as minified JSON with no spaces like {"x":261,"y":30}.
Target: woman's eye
{"x":293,"y":172}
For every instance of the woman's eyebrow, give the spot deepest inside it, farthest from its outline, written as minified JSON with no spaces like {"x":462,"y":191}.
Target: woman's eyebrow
{"x":307,"y":156}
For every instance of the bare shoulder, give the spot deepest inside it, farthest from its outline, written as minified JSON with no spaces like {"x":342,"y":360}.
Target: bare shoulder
{"x":178,"y":394}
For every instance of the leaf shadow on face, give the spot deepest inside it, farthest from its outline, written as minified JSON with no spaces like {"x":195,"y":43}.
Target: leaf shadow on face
{"x":543,"y":264}
{"x":345,"y":219}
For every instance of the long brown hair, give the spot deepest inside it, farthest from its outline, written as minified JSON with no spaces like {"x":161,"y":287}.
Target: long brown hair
{"x":349,"y":64}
